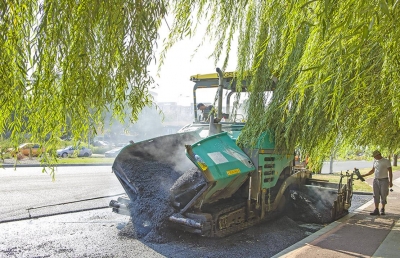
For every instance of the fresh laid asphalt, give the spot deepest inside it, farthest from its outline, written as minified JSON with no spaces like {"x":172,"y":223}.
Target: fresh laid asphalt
{"x":27,"y":192}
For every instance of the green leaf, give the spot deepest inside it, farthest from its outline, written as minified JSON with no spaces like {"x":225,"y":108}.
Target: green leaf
{"x":384,"y":7}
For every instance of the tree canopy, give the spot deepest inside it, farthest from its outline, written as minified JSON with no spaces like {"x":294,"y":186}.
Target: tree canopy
{"x":65,"y":62}
{"x":337,"y":64}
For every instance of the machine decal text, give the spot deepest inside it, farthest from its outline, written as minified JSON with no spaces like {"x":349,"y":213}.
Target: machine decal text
{"x":233,"y":171}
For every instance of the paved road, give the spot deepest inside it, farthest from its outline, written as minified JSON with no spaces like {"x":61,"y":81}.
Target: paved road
{"x":346,"y":165}
{"x":101,"y":233}
{"x":29,"y":193}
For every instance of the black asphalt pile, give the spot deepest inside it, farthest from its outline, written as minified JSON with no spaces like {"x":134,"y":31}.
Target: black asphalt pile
{"x":154,"y":167}
{"x":187,"y":186}
{"x":152,"y":206}
{"x":189,"y":178}
{"x":312,"y":205}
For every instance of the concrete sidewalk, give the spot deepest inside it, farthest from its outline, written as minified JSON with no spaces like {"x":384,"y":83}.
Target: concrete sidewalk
{"x":357,"y":234}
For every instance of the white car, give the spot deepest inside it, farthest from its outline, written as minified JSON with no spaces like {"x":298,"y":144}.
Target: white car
{"x":70,"y":150}
{"x":113,"y":153}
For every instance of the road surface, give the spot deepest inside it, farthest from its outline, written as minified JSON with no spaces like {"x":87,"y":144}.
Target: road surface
{"x":101,"y":233}
{"x":28,"y":193}
{"x":346,"y":165}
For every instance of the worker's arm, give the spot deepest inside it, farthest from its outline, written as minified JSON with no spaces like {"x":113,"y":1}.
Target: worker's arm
{"x":370,"y":172}
{"x":390,"y":177}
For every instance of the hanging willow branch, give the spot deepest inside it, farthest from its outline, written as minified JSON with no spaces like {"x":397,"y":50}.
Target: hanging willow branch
{"x":337,"y":64}
{"x":63,"y":63}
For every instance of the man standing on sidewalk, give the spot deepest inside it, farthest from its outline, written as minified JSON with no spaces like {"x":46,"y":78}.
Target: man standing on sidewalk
{"x":382,"y":181}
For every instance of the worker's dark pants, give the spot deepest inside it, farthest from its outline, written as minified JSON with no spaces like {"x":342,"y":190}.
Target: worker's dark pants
{"x":381,"y":190}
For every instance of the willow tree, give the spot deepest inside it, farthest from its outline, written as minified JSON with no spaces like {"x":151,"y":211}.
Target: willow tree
{"x":337,"y":65}
{"x":63,"y":63}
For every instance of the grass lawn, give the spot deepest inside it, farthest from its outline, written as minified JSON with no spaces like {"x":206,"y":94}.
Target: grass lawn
{"x":65,"y":161}
{"x":95,"y":159}
{"x":358,"y":186}
{"x":84,"y":160}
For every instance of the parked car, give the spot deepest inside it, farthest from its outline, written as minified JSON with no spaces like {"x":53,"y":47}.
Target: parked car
{"x":101,"y":144}
{"x":113,"y":153}
{"x":70,"y":150}
{"x":27,"y":149}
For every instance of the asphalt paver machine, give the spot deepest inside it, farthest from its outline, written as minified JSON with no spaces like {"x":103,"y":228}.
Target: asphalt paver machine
{"x":200,"y":181}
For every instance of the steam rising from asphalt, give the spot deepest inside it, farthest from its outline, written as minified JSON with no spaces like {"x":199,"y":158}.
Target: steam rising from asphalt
{"x":153,"y":166}
{"x":150,"y":124}
{"x":312,"y":204}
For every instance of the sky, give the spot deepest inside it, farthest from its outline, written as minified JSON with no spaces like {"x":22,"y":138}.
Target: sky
{"x":174,"y":83}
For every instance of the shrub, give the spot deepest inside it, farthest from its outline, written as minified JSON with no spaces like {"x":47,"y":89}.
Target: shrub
{"x":100,"y":149}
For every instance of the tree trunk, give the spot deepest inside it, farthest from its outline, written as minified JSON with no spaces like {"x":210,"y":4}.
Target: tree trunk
{"x":395,"y":156}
